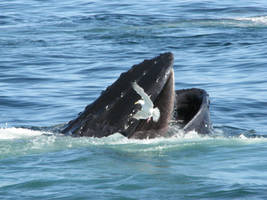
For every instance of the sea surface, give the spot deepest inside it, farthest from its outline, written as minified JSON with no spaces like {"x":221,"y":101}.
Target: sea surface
{"x":57,"y":56}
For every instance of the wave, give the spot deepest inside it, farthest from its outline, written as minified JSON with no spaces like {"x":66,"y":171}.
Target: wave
{"x":17,"y":133}
{"x":235,"y":22}
{"x":223,"y":132}
{"x":22,"y":141}
{"x":11,"y":133}
{"x":260,"y":20}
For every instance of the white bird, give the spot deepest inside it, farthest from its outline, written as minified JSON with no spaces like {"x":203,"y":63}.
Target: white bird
{"x":147,"y":107}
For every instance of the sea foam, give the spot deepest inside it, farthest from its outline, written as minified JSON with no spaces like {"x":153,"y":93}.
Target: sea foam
{"x":16,"y":133}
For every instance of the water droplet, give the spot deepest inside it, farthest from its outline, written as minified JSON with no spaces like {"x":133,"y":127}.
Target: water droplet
{"x":166,"y":76}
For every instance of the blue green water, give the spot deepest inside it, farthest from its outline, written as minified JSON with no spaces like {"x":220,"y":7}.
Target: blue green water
{"x":57,"y":56}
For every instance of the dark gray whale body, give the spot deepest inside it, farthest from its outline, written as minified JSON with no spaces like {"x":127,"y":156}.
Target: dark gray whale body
{"x":112,"y":112}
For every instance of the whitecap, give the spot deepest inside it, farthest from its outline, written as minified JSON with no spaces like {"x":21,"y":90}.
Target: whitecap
{"x":17,"y":133}
{"x":259,"y":20}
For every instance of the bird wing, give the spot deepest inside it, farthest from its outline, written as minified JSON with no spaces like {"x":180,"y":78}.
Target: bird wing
{"x":144,"y":96}
{"x":141,"y":114}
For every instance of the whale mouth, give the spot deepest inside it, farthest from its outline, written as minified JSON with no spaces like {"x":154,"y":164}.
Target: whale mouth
{"x":112,"y":112}
{"x":191,"y":110}
{"x":187,"y":105}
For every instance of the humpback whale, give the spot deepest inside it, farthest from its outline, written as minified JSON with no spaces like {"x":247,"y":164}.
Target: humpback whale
{"x":115,"y":109}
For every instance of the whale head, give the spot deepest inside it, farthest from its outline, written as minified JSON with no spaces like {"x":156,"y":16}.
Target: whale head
{"x":112,"y":111}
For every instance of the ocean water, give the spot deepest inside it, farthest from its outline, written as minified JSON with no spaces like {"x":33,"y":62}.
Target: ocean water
{"x":57,"y":56}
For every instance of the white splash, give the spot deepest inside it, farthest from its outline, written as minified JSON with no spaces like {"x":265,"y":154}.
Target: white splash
{"x":31,"y":142}
{"x":16,"y":133}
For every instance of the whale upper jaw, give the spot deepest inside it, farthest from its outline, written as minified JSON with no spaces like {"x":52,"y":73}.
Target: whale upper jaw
{"x":112,"y":112}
